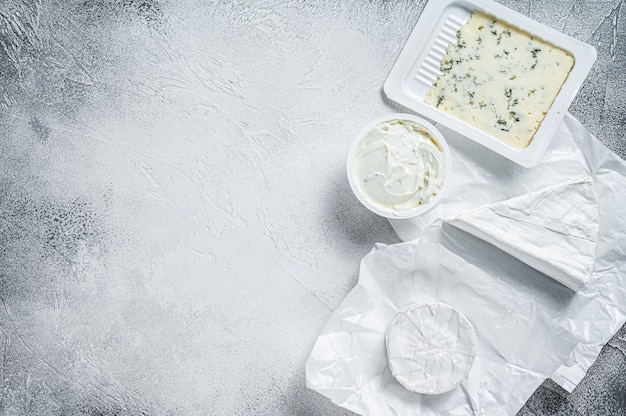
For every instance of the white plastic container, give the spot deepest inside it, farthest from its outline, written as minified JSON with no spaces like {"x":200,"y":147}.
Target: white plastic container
{"x":389,"y":212}
{"x":417,"y":67}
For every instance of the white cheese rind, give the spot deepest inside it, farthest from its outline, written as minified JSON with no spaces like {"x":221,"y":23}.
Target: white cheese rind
{"x":554,"y":230}
{"x":500,"y":79}
{"x":430,"y":348}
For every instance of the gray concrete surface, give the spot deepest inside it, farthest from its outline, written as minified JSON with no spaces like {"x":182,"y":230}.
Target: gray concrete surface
{"x":175,"y":225}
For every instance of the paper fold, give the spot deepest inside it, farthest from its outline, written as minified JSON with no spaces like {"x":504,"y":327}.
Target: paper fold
{"x":350,"y":366}
{"x":595,"y":312}
{"x":554,"y":230}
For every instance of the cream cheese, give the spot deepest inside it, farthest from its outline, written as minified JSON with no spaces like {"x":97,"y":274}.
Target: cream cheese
{"x":399,"y":166}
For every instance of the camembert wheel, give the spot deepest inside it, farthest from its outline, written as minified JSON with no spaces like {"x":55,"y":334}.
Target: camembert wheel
{"x":430,"y":348}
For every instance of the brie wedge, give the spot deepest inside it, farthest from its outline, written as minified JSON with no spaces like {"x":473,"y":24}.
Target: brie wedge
{"x":430,"y":348}
{"x":554,"y":230}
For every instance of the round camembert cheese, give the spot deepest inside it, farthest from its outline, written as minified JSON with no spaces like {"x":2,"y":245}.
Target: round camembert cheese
{"x":430,"y":348}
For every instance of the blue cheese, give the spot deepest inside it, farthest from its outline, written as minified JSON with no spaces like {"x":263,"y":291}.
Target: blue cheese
{"x":500,"y":79}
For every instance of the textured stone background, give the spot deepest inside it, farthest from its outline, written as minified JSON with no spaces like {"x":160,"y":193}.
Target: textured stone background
{"x":175,"y":224}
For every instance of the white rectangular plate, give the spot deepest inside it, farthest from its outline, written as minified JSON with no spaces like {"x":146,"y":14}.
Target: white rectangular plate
{"x":417,"y":67}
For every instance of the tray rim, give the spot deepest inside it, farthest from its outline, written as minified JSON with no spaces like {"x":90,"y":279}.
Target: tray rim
{"x":584,"y":58}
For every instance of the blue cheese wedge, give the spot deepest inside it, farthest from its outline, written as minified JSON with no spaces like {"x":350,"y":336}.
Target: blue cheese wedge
{"x":430,"y":348}
{"x":554,"y":230}
{"x":499,"y":79}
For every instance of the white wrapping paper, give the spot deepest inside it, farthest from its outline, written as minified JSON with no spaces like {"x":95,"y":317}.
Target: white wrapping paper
{"x":554,"y":230}
{"x":593,"y":314}
{"x":518,"y":344}
{"x":529,"y":326}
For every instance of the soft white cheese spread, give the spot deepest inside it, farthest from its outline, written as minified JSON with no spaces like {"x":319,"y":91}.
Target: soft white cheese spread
{"x":554,"y":230}
{"x":430,"y":348}
{"x":399,"y":166}
{"x":500,"y":79}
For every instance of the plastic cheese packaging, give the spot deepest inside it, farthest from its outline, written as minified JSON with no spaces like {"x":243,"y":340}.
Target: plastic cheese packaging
{"x":416,"y":70}
{"x":554,"y":230}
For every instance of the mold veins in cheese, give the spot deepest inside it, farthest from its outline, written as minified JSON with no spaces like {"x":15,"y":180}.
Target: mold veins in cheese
{"x":430,"y":348}
{"x":554,"y":230}
{"x":500,"y":79}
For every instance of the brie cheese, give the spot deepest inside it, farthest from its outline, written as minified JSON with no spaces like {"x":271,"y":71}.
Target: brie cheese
{"x":554,"y":230}
{"x":430,"y":348}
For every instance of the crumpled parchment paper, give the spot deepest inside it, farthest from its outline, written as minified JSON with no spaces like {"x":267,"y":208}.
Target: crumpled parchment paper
{"x":518,"y":344}
{"x":529,"y":327}
{"x":593,"y":314}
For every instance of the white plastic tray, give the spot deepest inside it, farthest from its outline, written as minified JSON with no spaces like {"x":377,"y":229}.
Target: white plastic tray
{"x":417,"y":67}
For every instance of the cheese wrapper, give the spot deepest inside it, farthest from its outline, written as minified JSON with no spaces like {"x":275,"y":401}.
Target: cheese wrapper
{"x":349,"y":362}
{"x":548,"y":217}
